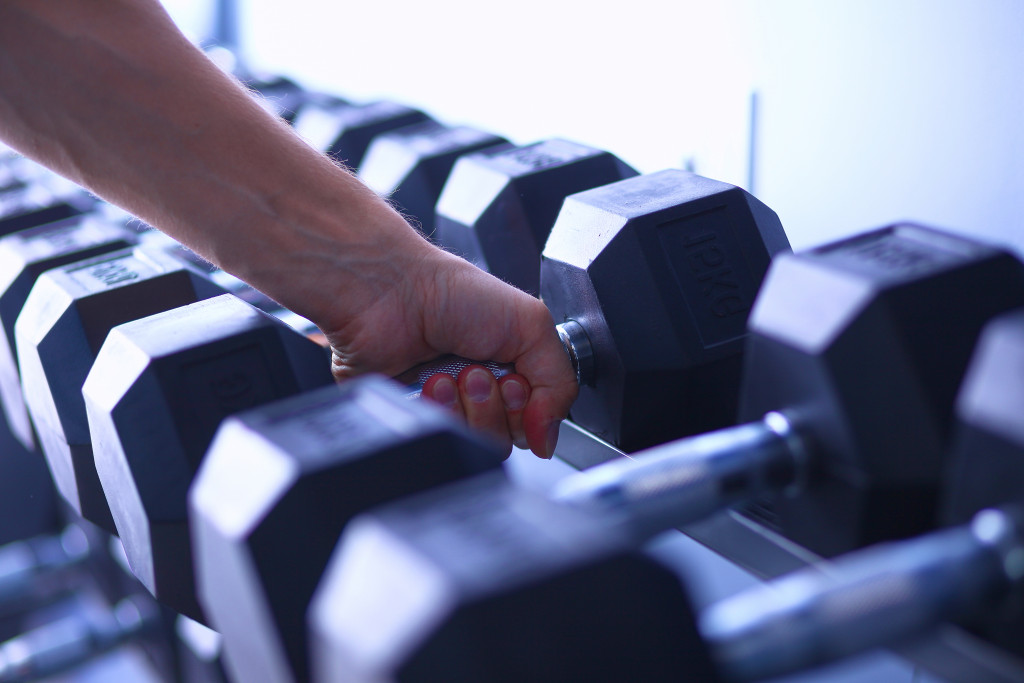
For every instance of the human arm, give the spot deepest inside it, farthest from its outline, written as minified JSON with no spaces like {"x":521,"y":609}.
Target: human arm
{"x":110,"y":94}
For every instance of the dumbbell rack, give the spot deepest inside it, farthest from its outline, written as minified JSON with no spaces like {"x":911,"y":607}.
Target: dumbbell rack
{"x":949,"y":652}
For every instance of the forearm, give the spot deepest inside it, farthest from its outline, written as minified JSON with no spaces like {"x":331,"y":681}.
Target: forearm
{"x":109,"y":94}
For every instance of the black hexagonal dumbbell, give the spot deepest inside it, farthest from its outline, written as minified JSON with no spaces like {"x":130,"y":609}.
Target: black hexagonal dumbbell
{"x":41,"y":198}
{"x":311,"y":463}
{"x":246,"y":292}
{"x":32,"y":195}
{"x":853,"y":362}
{"x":410,"y":165}
{"x":27,"y":201}
{"x":972,"y":571}
{"x":987,"y":465}
{"x":64,"y":322}
{"x":199,"y":652}
{"x":156,"y":393}
{"x":344,"y":131}
{"x":281,"y":96}
{"x":154,"y":398}
{"x":497,"y":207}
{"x":482,"y":582}
{"x":23,"y":257}
{"x":651,"y":280}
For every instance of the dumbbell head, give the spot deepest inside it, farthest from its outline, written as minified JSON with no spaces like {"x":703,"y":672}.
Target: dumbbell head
{"x":64,"y":322}
{"x":863,"y":344}
{"x":660,"y":271}
{"x":987,"y":464}
{"x":157,"y":392}
{"x":310,"y":464}
{"x":410,"y":165}
{"x":23,"y":256}
{"x":497,"y":207}
{"x":198,"y":652}
{"x":279,"y":95}
{"x":34,"y":213}
{"x":479,"y":581}
{"x":344,"y":131}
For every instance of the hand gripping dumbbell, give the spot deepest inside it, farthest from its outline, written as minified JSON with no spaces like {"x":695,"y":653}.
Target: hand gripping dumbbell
{"x":855,"y":354}
{"x":651,"y":280}
{"x":498,"y":206}
{"x":482,"y":582}
{"x":705,"y":247}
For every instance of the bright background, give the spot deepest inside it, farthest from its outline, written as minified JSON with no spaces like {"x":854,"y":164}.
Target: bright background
{"x":867,"y":111}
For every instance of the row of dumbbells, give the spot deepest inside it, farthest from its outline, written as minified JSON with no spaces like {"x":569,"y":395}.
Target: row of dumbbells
{"x":853,"y":356}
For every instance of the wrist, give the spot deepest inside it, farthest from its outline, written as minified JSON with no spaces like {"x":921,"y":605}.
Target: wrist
{"x":330,"y":260}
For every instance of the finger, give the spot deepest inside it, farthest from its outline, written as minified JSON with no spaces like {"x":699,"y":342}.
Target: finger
{"x":553,"y":389}
{"x":541,"y":422}
{"x":515,"y":392}
{"x":482,"y":403}
{"x":442,"y":389}
{"x":548,"y":405}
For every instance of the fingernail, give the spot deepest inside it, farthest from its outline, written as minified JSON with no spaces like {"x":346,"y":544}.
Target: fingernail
{"x":552,"y":440}
{"x":520,"y":442}
{"x":513,"y":394}
{"x":445,"y":392}
{"x":478,"y":385}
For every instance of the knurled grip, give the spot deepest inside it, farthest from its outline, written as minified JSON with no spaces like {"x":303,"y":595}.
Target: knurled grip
{"x":575,"y":342}
{"x":414,"y":378}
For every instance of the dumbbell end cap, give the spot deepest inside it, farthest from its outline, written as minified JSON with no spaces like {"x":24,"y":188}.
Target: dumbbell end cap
{"x":581,"y":352}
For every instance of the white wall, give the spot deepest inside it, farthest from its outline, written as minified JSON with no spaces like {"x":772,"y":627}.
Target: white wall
{"x":878,"y":110}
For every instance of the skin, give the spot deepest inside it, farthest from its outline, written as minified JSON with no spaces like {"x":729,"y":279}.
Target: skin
{"x":109,"y":94}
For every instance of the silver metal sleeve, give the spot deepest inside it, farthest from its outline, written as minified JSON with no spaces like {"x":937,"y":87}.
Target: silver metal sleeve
{"x":687,"y":480}
{"x":74,"y":639}
{"x":23,"y":564}
{"x":577,"y":346}
{"x":864,"y":600}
